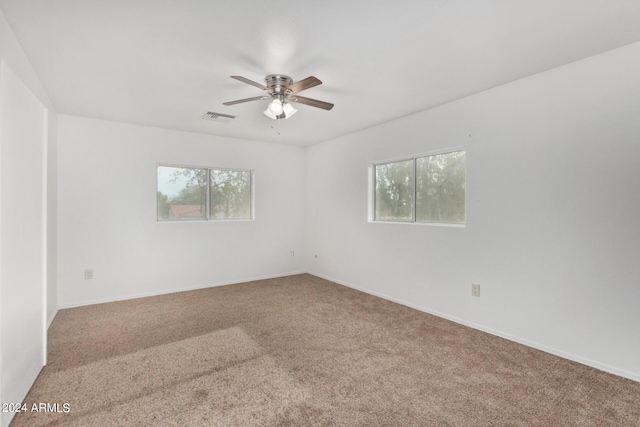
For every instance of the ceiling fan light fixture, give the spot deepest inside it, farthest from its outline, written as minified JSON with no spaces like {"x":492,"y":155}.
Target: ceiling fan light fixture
{"x":275,"y":107}
{"x":270,"y":114}
{"x":288,"y":110}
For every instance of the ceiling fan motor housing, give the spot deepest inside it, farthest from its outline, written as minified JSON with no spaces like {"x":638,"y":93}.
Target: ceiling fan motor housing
{"x":277,"y":84}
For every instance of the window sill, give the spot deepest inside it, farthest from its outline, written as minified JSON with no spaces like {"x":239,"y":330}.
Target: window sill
{"x":432,"y":224}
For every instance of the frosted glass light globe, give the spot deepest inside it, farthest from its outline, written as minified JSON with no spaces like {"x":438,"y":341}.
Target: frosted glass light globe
{"x":288,"y":110}
{"x":275,"y":107}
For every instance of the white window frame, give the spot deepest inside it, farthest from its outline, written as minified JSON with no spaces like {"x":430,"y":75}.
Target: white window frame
{"x":208,"y":194}
{"x":372,"y":189}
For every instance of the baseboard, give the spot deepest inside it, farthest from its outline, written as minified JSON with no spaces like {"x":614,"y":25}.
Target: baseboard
{"x":172,"y":291}
{"x":519,"y":340}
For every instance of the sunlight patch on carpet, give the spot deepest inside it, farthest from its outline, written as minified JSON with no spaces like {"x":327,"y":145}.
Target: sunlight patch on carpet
{"x":217,"y":373}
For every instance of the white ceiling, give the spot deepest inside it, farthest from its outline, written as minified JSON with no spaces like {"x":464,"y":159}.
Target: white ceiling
{"x":165,"y":63}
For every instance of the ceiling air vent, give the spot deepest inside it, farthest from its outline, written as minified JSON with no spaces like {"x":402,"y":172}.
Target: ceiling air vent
{"x":218,"y":117}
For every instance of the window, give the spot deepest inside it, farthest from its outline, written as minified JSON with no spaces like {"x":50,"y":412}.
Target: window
{"x":394,"y":191}
{"x":422,"y":189}
{"x":230,"y":194}
{"x":190,"y":193}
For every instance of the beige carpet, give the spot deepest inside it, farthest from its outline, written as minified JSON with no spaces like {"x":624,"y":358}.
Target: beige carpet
{"x":302,"y":351}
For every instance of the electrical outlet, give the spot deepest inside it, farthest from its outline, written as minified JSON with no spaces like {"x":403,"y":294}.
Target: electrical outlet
{"x":475,"y":290}
{"x":88,"y":274}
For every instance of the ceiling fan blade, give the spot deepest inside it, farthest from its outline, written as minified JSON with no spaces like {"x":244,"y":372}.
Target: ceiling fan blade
{"x":240,"y":101}
{"x":250,"y":82}
{"x":304,"y":84}
{"x":312,"y":102}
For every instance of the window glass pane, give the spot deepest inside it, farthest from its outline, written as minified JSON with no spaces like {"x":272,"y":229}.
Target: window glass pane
{"x":440,"y":188}
{"x":230,"y":195}
{"x":182,"y":193}
{"x":394,"y":191}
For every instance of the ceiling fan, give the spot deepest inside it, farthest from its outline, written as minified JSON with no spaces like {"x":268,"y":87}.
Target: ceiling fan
{"x":282,"y":90}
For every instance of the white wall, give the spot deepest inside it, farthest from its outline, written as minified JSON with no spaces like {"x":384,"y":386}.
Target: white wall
{"x":28,"y":238}
{"x":11,"y":52}
{"x":52,"y":216}
{"x":22,"y":246}
{"x":107,"y":213}
{"x":552,"y":233}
